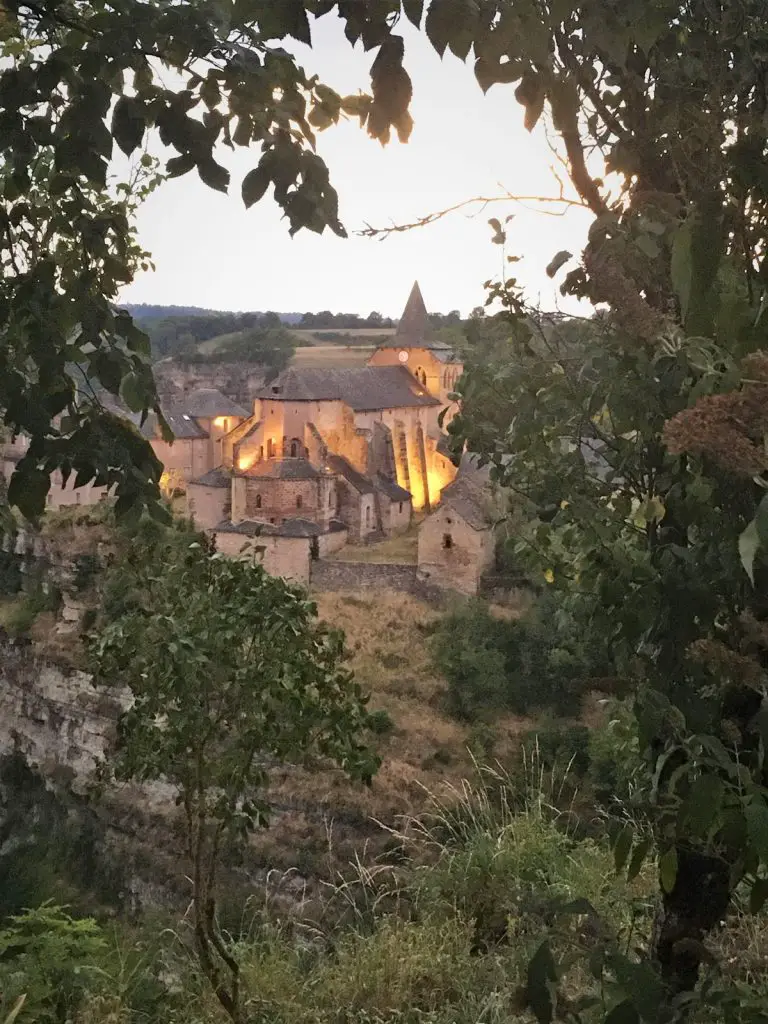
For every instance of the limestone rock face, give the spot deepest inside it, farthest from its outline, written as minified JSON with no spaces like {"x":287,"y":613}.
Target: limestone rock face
{"x":55,"y":717}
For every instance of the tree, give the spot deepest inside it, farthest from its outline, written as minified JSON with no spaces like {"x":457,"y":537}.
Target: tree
{"x":82,"y":78}
{"x":643,"y":447}
{"x":229,"y":671}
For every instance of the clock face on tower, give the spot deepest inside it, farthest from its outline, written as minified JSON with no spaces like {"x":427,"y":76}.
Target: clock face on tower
{"x":403,"y":356}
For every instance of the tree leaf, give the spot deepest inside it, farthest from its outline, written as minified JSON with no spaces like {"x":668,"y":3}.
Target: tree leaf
{"x":414,"y":10}
{"x":749,"y":544}
{"x":558,"y":261}
{"x":213,"y":175}
{"x":541,"y":976}
{"x":621,"y":847}
{"x":668,"y":869}
{"x":703,"y":803}
{"x":758,"y":895}
{"x":756,"y":815}
{"x":132,"y":393}
{"x":128,"y":124}
{"x":681,"y":266}
{"x":761,"y":521}
{"x":255,"y":184}
{"x":440,"y":24}
{"x":639,"y":855}
{"x":622,"y":1013}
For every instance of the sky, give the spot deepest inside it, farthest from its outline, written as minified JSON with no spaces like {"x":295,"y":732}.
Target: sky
{"x":209,"y":251}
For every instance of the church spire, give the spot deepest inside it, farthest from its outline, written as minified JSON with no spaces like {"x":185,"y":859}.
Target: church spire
{"x":414,"y":325}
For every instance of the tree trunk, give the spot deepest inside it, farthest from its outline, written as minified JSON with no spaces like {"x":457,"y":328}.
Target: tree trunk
{"x":697,"y":903}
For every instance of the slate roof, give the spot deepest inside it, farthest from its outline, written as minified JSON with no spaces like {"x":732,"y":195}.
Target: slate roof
{"x":282,"y":469}
{"x":219,"y":477}
{"x":392,"y":490}
{"x":468,"y":501}
{"x":414,"y":326}
{"x":346,"y":470}
{"x":259,"y":528}
{"x":443,"y":353}
{"x":363,"y":388}
{"x":206,"y":403}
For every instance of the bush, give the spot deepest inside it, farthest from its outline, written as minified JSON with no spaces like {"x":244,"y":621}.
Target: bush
{"x":531,"y":663}
{"x":10,"y":572}
{"x":19,"y":618}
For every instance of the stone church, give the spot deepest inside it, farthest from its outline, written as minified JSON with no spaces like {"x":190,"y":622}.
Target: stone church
{"x":338,"y":455}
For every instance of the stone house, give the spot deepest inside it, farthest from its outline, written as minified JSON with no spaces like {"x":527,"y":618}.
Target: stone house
{"x":457,"y":542}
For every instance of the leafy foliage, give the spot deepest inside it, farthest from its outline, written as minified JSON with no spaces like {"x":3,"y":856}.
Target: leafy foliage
{"x":229,"y":672}
{"x":494,"y":664}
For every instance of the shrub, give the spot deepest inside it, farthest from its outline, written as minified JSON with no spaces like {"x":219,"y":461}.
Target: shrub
{"x":531,"y":663}
{"x":10,"y":572}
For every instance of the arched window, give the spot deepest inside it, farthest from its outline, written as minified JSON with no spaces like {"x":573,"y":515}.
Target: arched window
{"x":299,"y":501}
{"x":294,"y":449}
{"x":330,"y":499}
{"x":271,"y":448}
{"x":367,"y":516}
{"x":421,"y":376}
{"x":447,"y":541}
{"x":258,"y":501}
{"x":261,"y":452}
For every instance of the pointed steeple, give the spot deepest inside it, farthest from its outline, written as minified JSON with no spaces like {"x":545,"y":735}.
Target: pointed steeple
{"x":414,"y":325}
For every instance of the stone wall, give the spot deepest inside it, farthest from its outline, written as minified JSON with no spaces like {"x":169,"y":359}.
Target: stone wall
{"x":329,"y":575}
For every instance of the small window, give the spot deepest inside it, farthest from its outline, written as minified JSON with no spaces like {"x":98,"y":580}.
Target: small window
{"x":400,"y":507}
{"x":294,"y":449}
{"x":271,"y":519}
{"x":271,"y":448}
{"x":447,"y":541}
{"x":261,"y":452}
{"x":258,"y":501}
{"x":330,"y":499}
{"x":367,"y":515}
{"x":299,"y":501}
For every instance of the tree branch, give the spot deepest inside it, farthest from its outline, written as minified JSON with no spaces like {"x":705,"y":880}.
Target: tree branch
{"x":483,"y":201}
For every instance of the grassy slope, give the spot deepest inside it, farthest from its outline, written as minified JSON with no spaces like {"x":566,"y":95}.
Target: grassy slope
{"x":426,"y":751}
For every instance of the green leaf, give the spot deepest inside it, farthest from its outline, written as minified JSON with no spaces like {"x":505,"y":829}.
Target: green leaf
{"x":622,"y":846}
{"x":758,"y":895}
{"x":27,"y":490}
{"x":213,"y":175}
{"x":541,"y":978}
{"x":749,"y":544}
{"x":132,"y":393}
{"x":668,"y":869}
{"x":210,"y":93}
{"x":558,"y":261}
{"x":638,"y":858}
{"x":681,"y":266}
{"x":761,"y":521}
{"x":255,"y":184}
{"x":703,"y":803}
{"x":622,"y":1013}
{"x":414,"y":10}
{"x":440,"y":24}
{"x":756,"y":815}
{"x":128,"y":124}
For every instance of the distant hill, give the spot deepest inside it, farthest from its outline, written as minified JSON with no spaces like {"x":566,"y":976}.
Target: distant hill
{"x":146,"y":311}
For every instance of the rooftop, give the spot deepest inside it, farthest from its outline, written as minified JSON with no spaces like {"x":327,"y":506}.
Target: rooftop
{"x":219,"y":477}
{"x":364,"y":388}
{"x":206,"y":403}
{"x":282,"y":469}
{"x":345,"y":469}
{"x":469,"y":500}
{"x":414,"y":326}
{"x":289,"y":528}
{"x":392,"y":490}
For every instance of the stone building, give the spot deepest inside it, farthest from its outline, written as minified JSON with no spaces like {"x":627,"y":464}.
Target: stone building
{"x":356,"y":449}
{"x":457,"y":543}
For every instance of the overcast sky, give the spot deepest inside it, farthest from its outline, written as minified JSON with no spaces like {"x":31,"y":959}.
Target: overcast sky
{"x":209,"y":251}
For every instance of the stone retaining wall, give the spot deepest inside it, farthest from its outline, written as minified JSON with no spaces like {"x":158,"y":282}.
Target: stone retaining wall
{"x":330,"y":575}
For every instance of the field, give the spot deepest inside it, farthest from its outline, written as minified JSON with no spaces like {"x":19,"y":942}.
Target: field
{"x":332,"y":357}
{"x":402,"y":548}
